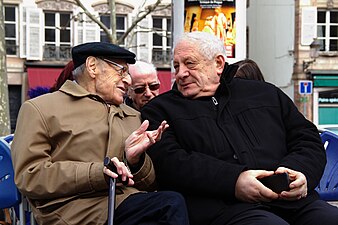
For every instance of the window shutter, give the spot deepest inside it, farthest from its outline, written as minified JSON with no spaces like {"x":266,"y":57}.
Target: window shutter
{"x":86,"y":30}
{"x":91,"y":30}
{"x":22,"y":38}
{"x":78,"y":27}
{"x":34,"y":24}
{"x":309,"y":25}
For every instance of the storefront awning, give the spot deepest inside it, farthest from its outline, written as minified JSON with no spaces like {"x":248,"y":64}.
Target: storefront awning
{"x":165,"y":79}
{"x":325,"y":81}
{"x":325,"y":78}
{"x":46,"y":77}
{"x":42,"y":77}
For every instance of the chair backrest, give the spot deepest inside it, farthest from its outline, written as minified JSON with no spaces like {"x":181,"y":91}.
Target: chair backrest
{"x":8,"y":138}
{"x":9,"y":194}
{"x":328,"y":186}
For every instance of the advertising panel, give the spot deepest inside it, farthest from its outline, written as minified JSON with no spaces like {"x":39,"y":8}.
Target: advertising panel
{"x":217,"y":17}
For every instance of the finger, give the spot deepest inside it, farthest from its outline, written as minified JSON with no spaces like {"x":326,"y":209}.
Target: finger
{"x":109,"y":172}
{"x":289,"y":198}
{"x":158,"y":135}
{"x":150,"y":137}
{"x":266,"y":194}
{"x":282,"y":170}
{"x":118,"y":164}
{"x":123,"y":171}
{"x":126,"y":173}
{"x":262,"y":173}
{"x":294,"y":194}
{"x":144,"y":126}
{"x":131,"y":182}
{"x":297,"y":183}
{"x":164,"y":124}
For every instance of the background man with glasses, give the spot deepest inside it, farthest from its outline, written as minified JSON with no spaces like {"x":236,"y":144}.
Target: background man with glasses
{"x":145,"y":84}
{"x":62,"y":137}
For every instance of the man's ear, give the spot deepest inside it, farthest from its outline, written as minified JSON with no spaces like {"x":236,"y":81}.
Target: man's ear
{"x":92,"y":66}
{"x":220,"y":61}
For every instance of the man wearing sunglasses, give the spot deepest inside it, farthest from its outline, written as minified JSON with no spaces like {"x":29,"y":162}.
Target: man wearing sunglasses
{"x":145,"y":84}
{"x":62,"y":138}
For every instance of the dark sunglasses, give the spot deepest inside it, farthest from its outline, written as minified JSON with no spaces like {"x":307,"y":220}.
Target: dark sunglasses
{"x":142,"y":89}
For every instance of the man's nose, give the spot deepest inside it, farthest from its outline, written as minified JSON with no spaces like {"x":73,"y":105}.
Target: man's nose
{"x":182,"y":71}
{"x":147,"y":91}
{"x":127,"y":79}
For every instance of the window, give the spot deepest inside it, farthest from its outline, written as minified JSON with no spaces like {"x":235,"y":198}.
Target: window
{"x":161,"y":40}
{"x":120,"y":27}
{"x":11,"y":29}
{"x":57,"y":35}
{"x":327,"y":30}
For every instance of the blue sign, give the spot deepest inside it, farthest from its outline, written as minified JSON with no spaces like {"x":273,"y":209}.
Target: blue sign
{"x":305,"y":87}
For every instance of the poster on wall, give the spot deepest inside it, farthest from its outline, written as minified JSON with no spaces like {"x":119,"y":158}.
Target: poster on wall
{"x":217,"y":17}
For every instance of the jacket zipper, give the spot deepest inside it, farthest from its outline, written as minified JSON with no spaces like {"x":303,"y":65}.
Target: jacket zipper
{"x":214,"y":100}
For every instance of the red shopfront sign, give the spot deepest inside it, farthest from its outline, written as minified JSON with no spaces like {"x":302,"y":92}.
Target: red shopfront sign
{"x":42,"y":77}
{"x":46,"y":77}
{"x":165,"y":79}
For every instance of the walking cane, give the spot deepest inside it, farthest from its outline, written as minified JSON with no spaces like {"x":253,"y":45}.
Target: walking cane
{"x":112,"y":185}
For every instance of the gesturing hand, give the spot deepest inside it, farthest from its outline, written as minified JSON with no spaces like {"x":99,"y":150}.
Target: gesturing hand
{"x":141,"y":139}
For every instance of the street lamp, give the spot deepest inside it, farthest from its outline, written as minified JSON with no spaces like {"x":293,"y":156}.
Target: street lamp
{"x":314,"y":53}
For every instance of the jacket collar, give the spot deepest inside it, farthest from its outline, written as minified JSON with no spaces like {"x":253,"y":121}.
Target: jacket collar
{"x":74,"y":89}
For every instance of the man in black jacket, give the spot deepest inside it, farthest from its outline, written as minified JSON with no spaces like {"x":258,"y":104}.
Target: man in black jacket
{"x":225,"y":135}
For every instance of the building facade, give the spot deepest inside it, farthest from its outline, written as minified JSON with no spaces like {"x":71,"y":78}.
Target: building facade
{"x":39,"y":35}
{"x":317,"y":19}
{"x":279,"y":37}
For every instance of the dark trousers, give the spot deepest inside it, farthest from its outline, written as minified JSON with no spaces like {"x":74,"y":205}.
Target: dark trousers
{"x":316,"y":213}
{"x":152,"y":208}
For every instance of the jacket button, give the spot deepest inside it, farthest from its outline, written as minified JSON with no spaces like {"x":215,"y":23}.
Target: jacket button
{"x":235,"y":156}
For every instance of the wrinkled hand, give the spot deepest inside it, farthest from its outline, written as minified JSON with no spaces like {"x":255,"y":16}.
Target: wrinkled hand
{"x":298,"y":185}
{"x":121,"y":169}
{"x":141,"y":139}
{"x":249,"y":189}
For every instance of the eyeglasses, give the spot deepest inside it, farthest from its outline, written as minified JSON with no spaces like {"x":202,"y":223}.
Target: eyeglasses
{"x":123,"y":71}
{"x":142,"y":89}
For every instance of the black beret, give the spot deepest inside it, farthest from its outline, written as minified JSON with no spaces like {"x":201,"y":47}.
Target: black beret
{"x":106,"y":50}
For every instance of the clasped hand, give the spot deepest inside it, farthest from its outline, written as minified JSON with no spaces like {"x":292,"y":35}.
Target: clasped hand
{"x":249,"y":189}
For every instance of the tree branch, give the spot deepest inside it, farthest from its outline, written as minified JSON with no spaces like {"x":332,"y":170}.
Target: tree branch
{"x":94,"y":19}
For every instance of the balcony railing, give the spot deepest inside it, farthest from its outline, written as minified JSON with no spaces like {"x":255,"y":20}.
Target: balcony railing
{"x":12,"y":49}
{"x":161,"y":57}
{"x":61,"y":53}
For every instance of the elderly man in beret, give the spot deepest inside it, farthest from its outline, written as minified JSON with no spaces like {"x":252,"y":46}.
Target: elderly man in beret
{"x":62,"y":138}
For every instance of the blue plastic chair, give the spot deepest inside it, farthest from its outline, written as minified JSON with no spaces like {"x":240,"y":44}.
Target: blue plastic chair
{"x":9,"y":194}
{"x":328,"y":185}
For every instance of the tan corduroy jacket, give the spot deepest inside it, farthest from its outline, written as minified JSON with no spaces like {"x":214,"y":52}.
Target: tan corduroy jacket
{"x":59,"y":145}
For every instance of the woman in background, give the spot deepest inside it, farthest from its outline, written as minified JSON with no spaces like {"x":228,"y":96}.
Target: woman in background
{"x":248,"y":69}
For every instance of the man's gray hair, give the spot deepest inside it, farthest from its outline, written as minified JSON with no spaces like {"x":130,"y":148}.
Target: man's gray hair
{"x":78,"y":71}
{"x":141,"y":67}
{"x":207,"y":44}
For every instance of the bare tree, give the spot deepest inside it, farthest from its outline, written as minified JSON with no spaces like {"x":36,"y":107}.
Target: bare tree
{"x":142,"y":13}
{"x":5,"y":127}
